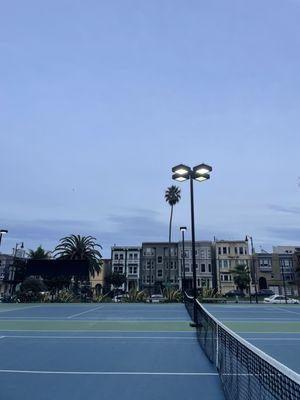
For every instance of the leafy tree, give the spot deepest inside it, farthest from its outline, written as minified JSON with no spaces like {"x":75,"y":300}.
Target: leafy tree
{"x":117,"y":279}
{"x":241,"y":276}
{"x":39,"y":254}
{"x":30,"y":289}
{"x":172,"y":197}
{"x":76,"y":247}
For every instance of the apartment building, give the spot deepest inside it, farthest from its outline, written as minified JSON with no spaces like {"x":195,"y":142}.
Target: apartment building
{"x":277,"y":271}
{"x":99,"y":280}
{"x":204,"y":265}
{"x":228,"y":254}
{"x":126,"y":261}
{"x":159,"y":266}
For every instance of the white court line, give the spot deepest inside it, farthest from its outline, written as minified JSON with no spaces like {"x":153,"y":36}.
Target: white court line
{"x":18,"y":371}
{"x":84,"y":312}
{"x":21,"y":308}
{"x":288,"y":311}
{"x":101,"y":330}
{"x":98,"y":337}
{"x":268,"y":339}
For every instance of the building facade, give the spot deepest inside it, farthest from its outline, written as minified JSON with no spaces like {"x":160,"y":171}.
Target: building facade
{"x":204,"y":265}
{"x":98,"y":282}
{"x":229,"y":254}
{"x":159,"y":266}
{"x":126,"y":261}
{"x":277,"y":271}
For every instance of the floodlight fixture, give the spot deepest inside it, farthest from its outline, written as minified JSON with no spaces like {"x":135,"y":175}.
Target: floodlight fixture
{"x":179,"y":178}
{"x":202,"y":169}
{"x":181,"y":169}
{"x":3,"y":231}
{"x":201,"y":177}
{"x":183,"y":228}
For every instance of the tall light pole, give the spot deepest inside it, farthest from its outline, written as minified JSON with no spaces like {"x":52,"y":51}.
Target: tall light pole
{"x":253,"y":269}
{"x":200,"y":173}
{"x":182,"y":230}
{"x":2,"y":232}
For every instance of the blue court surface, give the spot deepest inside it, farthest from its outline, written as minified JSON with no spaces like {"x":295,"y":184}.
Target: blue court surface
{"x":274,"y":329}
{"x":105,"y":351}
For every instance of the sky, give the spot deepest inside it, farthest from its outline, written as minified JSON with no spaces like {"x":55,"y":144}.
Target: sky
{"x":100,"y":99}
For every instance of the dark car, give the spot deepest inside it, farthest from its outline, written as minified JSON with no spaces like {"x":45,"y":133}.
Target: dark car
{"x":234,"y":293}
{"x":265,"y":292}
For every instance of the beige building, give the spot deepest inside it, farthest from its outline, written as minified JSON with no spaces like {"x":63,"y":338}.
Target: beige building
{"x":278,"y":271}
{"x":98,"y":282}
{"x":229,"y":254}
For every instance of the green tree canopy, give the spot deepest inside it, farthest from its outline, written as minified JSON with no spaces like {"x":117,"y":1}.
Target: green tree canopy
{"x":241,"y":276}
{"x":39,"y":254}
{"x":117,"y":279}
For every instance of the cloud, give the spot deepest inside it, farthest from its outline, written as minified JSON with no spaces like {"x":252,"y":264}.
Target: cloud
{"x":285,"y":233}
{"x":120,"y":229}
{"x":282,"y":209}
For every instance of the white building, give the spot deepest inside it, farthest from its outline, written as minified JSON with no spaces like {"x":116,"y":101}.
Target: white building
{"x":126,"y":261}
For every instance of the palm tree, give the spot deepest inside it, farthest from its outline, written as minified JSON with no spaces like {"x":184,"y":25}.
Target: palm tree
{"x":76,"y":247}
{"x":172,"y":197}
{"x":39,"y":254}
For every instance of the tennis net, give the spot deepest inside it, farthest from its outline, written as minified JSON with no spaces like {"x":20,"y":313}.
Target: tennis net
{"x":246,"y":372}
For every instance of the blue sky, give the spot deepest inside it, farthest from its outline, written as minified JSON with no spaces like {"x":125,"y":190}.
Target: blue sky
{"x":99,"y":99}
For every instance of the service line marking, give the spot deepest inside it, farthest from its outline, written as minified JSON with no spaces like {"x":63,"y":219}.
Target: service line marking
{"x":84,"y":312}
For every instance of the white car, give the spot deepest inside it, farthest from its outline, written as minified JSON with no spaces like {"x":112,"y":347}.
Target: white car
{"x":156,"y":298}
{"x":277,"y":299}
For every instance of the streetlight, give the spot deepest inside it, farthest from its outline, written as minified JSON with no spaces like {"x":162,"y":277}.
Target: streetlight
{"x":200,"y":173}
{"x":2,"y":232}
{"x":253,"y":269}
{"x":182,"y":230}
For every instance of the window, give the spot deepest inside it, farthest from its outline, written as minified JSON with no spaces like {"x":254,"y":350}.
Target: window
{"x":225,"y":263}
{"x":186,"y":254}
{"x":209,"y":267}
{"x":148,"y":263}
{"x":159,"y":273}
{"x":236,"y":250}
{"x":135,"y":256}
{"x":187,"y":269}
{"x":224,"y":250}
{"x":202,"y":267}
{"x":202,"y":254}
{"x":116,"y":257}
{"x":148,"y":279}
{"x":159,"y":259}
{"x":135,"y":270}
{"x":130,"y":256}
{"x":121,"y":256}
{"x":219,"y":250}
{"x":241,"y":250}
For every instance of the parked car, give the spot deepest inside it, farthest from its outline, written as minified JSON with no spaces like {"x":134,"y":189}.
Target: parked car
{"x":265,"y":292}
{"x":156,"y":298}
{"x":234,"y":293}
{"x":277,"y":299}
{"x":120,"y":298}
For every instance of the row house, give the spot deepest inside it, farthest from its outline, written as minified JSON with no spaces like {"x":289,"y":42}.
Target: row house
{"x":227,"y":255}
{"x":126,"y":261}
{"x":159,"y":266}
{"x":278,"y":270}
{"x":204,"y":265}
{"x":165,"y":265}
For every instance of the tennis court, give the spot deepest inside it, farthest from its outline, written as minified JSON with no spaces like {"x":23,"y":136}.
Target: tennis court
{"x":275,"y":329}
{"x":128,"y":351}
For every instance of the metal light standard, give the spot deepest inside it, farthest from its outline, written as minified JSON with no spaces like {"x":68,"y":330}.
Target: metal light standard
{"x":253,"y":269}
{"x":2,"y":232}
{"x":200,"y":173}
{"x":182,"y":230}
